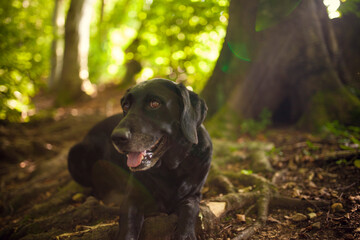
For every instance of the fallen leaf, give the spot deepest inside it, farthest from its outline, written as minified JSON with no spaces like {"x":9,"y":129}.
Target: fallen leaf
{"x":355,"y":198}
{"x":337,"y":207}
{"x":316,"y":225}
{"x":78,"y":197}
{"x":273,"y":220}
{"x":298,"y":217}
{"x":296,"y":192}
{"x":312,"y":184}
{"x":240,"y":218}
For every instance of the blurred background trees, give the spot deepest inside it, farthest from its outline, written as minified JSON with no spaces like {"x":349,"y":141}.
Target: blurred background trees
{"x":283,"y":57}
{"x":26,"y":34}
{"x":177,"y":40}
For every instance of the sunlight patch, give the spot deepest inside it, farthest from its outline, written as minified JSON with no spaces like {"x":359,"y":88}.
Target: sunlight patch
{"x":332,"y":8}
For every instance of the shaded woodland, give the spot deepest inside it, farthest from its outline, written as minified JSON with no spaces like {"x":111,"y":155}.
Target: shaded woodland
{"x":281,"y":80}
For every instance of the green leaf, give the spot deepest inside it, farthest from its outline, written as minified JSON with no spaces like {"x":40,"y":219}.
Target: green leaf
{"x":344,"y":147}
{"x":354,"y":140}
{"x":246,"y":172}
{"x":357,"y":163}
{"x":341,"y":161}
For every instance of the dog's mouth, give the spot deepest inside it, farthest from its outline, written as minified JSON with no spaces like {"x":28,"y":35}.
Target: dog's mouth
{"x":140,"y":161}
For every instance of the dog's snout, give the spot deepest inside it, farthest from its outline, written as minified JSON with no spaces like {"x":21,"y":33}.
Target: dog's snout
{"x":120,"y":136}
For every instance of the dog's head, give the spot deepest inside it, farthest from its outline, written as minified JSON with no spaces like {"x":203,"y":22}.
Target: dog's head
{"x":158,"y":114}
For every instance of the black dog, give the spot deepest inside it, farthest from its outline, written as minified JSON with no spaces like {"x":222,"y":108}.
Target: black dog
{"x":161,"y":140}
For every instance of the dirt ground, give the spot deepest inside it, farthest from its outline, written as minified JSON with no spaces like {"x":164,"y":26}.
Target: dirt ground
{"x":38,"y":199}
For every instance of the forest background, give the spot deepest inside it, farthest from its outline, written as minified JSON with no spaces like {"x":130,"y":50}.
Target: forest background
{"x":292,"y":55}
{"x":281,"y":79}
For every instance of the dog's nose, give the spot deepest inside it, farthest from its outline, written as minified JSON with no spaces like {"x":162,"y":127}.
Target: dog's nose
{"x":120,"y":136}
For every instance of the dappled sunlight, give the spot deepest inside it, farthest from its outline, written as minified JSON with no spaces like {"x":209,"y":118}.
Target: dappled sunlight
{"x":118,"y":55}
{"x":145,"y":74}
{"x":332,"y":8}
{"x":119,"y":40}
{"x":187,"y":42}
{"x":279,"y":71}
{"x":89,"y":88}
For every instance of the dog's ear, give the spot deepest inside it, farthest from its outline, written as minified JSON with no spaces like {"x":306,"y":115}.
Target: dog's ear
{"x":193,"y":113}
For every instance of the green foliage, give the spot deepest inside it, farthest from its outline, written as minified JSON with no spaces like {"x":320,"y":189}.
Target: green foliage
{"x":113,"y":28}
{"x":357,"y":163}
{"x":342,"y":161}
{"x":348,"y":136}
{"x":350,"y":6}
{"x":25,"y":33}
{"x":187,"y":36}
{"x":246,"y":172}
{"x":345,"y":162}
{"x":179,"y":40}
{"x":172,"y":39}
{"x":274,"y":151}
{"x":253,"y":127}
{"x":312,"y":146}
{"x":225,"y":124}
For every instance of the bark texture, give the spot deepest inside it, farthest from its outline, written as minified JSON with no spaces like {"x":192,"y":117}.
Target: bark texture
{"x":57,"y":46}
{"x":295,"y":68}
{"x":74,"y":70}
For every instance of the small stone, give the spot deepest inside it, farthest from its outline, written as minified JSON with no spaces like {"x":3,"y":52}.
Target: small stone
{"x":298,"y":217}
{"x":78,"y":197}
{"x":337,"y":207}
{"x":312,"y":215}
{"x":316,"y":225}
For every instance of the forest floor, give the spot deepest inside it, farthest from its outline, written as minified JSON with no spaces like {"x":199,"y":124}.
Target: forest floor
{"x":38,"y":199}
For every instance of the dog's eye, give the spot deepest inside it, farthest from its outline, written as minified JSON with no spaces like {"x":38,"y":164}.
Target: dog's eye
{"x":126,"y":106}
{"x":154,"y":104}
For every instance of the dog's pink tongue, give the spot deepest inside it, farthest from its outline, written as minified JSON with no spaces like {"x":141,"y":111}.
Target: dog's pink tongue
{"x":134,"y":158}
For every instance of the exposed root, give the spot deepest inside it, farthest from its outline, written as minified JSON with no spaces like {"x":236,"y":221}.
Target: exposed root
{"x":94,"y":232}
{"x":331,"y":156}
{"x":59,"y":217}
{"x":264,"y":195}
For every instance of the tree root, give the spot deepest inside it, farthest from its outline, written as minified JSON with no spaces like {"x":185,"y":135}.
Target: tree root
{"x":331,"y":156}
{"x":264,"y":195}
{"x":91,"y":212}
{"x":56,"y":218}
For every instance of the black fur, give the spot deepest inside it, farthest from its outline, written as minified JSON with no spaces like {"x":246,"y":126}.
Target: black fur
{"x":172,"y":180}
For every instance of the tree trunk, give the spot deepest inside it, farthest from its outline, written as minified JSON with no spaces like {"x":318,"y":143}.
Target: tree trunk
{"x":75,"y":70}
{"x":230,"y":69}
{"x":57,"y":47}
{"x":133,"y":66}
{"x":295,"y":70}
{"x":347,"y":30}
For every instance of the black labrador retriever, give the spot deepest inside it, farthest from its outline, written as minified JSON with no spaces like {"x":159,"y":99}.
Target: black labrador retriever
{"x":161,"y":141}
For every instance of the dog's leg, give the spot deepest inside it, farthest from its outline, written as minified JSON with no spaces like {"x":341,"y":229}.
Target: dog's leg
{"x":187,"y":212}
{"x":130,"y":223}
{"x":132,"y":211}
